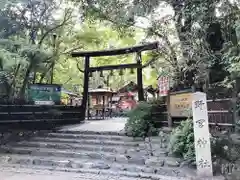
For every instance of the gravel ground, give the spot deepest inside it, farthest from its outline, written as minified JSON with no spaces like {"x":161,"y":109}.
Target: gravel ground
{"x":8,"y":173}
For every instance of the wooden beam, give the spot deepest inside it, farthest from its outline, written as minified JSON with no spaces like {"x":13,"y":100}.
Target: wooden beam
{"x":115,"y":52}
{"x":111,"y":67}
{"x":85,"y":86}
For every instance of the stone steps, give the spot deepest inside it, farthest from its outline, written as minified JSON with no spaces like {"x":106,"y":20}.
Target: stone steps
{"x":41,"y":173}
{"x":73,"y":164}
{"x":164,"y":130}
{"x":131,"y":157}
{"x":102,"y":138}
{"x":109,"y":175}
{"x":101,"y":141}
{"x":85,"y":141}
{"x":90,"y":132}
{"x":89,"y":145}
{"x":89,"y":136}
{"x":106,"y":133}
{"x":83,"y":152}
{"x":42,"y":152}
{"x":59,"y":146}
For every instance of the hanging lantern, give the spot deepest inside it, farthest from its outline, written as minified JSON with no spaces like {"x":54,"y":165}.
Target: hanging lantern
{"x":101,"y":74}
{"x":132,"y":71}
{"x":152,"y":65}
{"x":111,"y":73}
{"x":90,"y":74}
{"x":120,"y":72}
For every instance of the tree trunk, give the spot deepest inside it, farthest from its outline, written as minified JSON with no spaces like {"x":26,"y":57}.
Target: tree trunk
{"x":13,"y":84}
{"x":43,"y":75}
{"x":25,"y":82}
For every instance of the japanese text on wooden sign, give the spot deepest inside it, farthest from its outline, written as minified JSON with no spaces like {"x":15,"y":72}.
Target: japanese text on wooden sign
{"x":163,"y":85}
{"x":181,"y":104}
{"x":201,"y":135}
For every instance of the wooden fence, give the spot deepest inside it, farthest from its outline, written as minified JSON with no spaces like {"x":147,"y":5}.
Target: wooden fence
{"x":38,"y":117}
{"x":219,"y":112}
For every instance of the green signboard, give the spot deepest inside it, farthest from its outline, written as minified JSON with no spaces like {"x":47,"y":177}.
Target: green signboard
{"x":44,"y":94}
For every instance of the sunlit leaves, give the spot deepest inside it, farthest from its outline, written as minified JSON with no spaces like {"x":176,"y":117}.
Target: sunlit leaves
{"x":99,"y":37}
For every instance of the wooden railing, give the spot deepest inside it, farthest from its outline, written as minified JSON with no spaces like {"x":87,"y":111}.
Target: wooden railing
{"x":22,"y":116}
{"x":223,"y":118}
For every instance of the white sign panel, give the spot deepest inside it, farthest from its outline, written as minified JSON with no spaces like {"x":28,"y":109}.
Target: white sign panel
{"x":201,"y":135}
{"x":163,"y":85}
{"x":44,"y":103}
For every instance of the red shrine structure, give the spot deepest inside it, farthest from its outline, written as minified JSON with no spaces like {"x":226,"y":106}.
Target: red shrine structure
{"x":104,"y":101}
{"x":127,"y":96}
{"x":99,"y":104}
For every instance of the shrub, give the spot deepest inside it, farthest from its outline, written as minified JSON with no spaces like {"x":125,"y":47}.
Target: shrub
{"x":181,"y":144}
{"x":225,"y":149}
{"x":181,"y":141}
{"x":140,"y":122}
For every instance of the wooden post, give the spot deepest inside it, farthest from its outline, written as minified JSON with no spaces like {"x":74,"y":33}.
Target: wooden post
{"x":111,"y":106}
{"x":103,"y":110}
{"x":170,"y":122}
{"x":88,"y":106}
{"x":52,"y":72}
{"x":85,"y":85}
{"x":234,"y":105}
{"x":236,"y":90}
{"x":139,"y":78}
{"x":54,"y":59}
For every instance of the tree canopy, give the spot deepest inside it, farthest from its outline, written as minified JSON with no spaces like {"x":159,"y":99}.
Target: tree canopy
{"x":198,"y":39}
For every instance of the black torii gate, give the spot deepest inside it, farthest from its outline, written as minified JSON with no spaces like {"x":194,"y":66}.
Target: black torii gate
{"x":138,"y":65}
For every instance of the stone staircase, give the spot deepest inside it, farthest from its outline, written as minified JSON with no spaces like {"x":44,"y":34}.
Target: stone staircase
{"x":105,"y":153}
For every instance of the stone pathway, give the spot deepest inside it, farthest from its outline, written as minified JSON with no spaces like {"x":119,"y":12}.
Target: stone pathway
{"x":94,"y":150}
{"x":12,"y":174}
{"x":110,"y":125}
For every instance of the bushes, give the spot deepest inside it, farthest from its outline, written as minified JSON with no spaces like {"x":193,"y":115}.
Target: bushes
{"x":181,"y":144}
{"x":181,"y":141}
{"x":140,"y":122}
{"x":224,"y":148}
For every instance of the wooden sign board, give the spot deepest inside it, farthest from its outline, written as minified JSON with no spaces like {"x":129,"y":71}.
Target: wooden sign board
{"x":181,"y":104}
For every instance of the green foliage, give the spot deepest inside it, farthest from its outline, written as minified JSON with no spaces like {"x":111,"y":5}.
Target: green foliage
{"x":4,"y":81}
{"x":21,"y":55}
{"x":223,"y":148}
{"x":140,"y":122}
{"x":182,"y":141}
{"x":181,"y":144}
{"x":97,"y":36}
{"x":231,"y":53}
{"x":183,"y":42}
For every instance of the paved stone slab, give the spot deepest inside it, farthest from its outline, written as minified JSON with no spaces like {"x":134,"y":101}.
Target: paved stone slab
{"x":59,"y":176}
{"x":172,"y":162}
{"x":154,"y":161}
{"x":28,"y":174}
{"x":7,"y":173}
{"x":111,"y":125}
{"x":88,"y":136}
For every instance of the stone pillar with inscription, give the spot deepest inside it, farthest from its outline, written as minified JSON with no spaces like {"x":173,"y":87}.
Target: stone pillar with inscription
{"x":201,"y":135}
